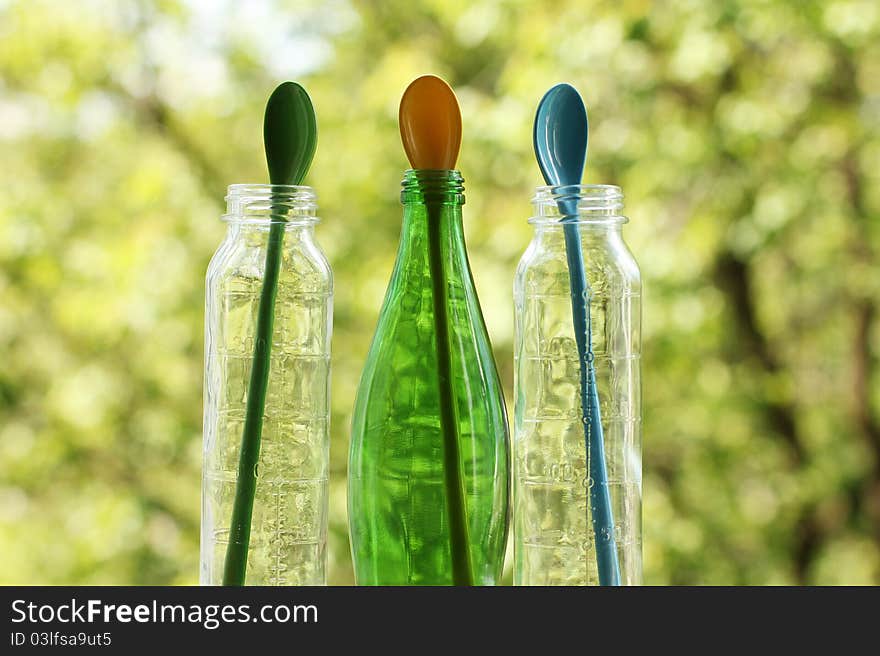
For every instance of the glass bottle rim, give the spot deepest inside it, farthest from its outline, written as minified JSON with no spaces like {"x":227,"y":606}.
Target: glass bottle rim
{"x":253,"y":203}
{"x":445,"y":185}
{"x":597,"y":204}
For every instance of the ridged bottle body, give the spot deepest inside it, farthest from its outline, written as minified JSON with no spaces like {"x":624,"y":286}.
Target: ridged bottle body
{"x":553,"y":533}
{"x":402,"y":532}
{"x":288,"y":535}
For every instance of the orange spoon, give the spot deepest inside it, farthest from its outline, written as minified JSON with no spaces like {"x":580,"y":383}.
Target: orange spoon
{"x":430,"y":124}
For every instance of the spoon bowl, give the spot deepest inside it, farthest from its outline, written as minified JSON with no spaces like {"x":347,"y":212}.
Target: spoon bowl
{"x":561,"y":135}
{"x":290,"y":134}
{"x":430,"y":124}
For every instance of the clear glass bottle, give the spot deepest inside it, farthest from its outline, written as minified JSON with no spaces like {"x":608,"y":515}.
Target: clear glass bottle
{"x":289,"y":524}
{"x":428,"y":469}
{"x":554,"y":541}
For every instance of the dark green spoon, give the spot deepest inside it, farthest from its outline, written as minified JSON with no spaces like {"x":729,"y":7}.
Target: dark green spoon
{"x":290,"y":135}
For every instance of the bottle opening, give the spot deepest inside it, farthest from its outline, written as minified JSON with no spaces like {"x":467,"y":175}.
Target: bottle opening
{"x":578,"y":204}
{"x":439,"y":185}
{"x":265,"y":203}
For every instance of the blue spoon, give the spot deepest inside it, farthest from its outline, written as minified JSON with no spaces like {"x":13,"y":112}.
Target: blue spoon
{"x":561,"y":135}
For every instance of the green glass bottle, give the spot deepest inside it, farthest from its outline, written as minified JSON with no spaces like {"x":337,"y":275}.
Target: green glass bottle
{"x":429,"y":460}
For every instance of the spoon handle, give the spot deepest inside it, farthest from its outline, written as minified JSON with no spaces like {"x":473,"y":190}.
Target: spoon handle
{"x":462,"y":570}
{"x":235,"y":565}
{"x":600,"y":499}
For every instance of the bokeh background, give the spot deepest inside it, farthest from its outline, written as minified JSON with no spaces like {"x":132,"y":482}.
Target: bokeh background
{"x":745,"y":137}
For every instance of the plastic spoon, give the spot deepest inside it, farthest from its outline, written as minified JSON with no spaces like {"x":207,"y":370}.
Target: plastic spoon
{"x":561,"y":136}
{"x":430,"y":124}
{"x":290,"y":136}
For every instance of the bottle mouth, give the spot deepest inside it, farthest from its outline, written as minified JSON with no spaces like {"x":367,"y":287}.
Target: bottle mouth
{"x":439,"y":185}
{"x":267,"y":203}
{"x":592,"y":203}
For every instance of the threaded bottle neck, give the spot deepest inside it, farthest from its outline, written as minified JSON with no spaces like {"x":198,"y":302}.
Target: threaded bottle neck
{"x":264,"y":203}
{"x":432,"y":185}
{"x":598,"y":204}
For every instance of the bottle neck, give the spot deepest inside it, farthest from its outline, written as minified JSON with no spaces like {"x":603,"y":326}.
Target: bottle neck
{"x":432,"y":223}
{"x":595,"y":211}
{"x":432,"y":187}
{"x":584,"y":204}
{"x":255,"y":207}
{"x":432,"y":199}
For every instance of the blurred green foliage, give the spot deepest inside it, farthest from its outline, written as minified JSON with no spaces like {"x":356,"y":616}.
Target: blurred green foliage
{"x":745,"y":137}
